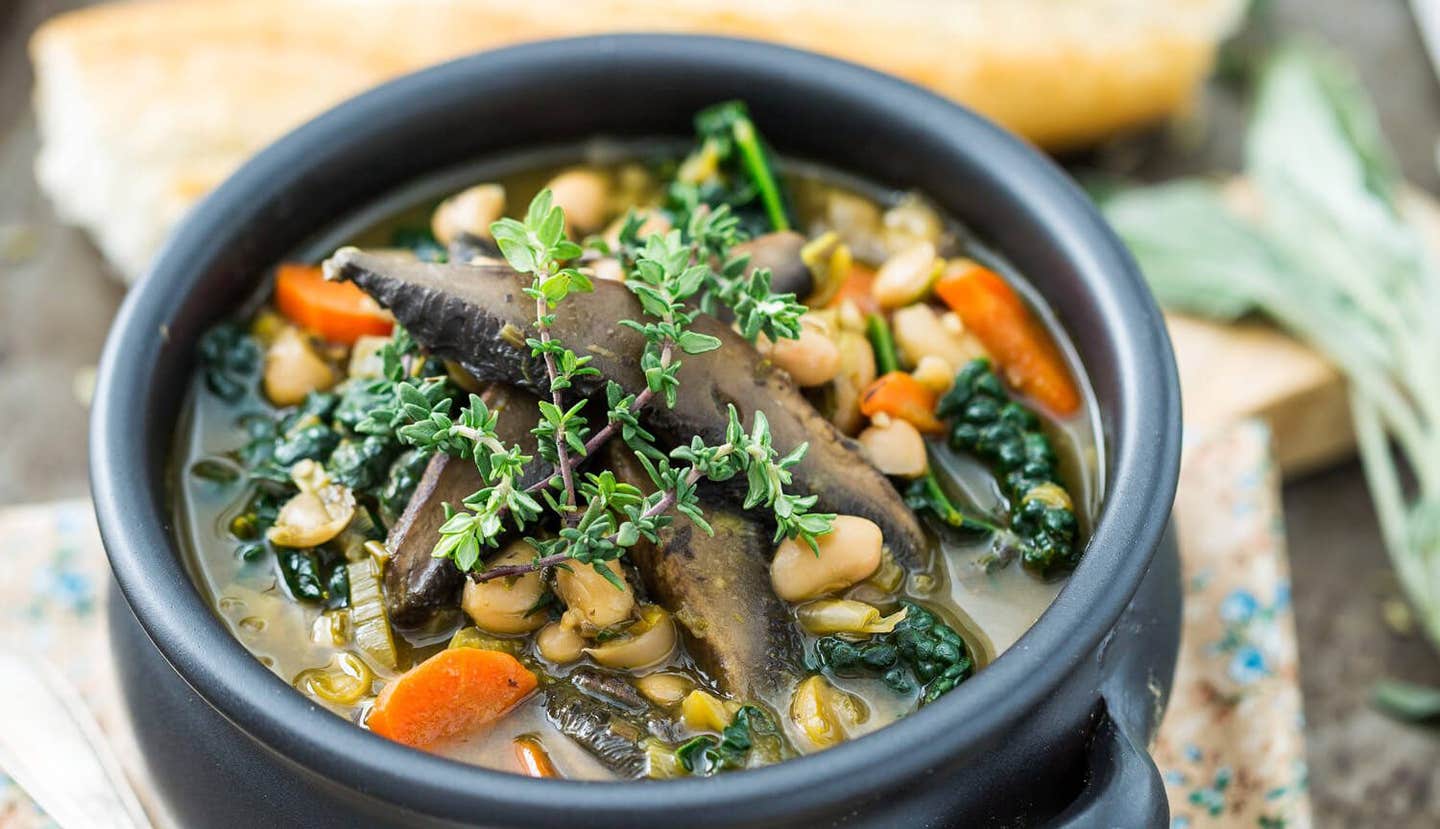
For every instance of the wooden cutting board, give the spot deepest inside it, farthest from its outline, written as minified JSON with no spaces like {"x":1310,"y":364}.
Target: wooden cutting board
{"x":1230,"y":371}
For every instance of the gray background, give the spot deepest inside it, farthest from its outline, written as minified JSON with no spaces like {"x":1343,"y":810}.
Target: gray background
{"x":56,"y":301}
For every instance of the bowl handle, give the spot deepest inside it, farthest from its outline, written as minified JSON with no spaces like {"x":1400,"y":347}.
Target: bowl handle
{"x":1123,"y":789}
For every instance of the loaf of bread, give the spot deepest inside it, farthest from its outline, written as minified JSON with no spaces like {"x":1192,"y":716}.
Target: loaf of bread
{"x":144,"y":106}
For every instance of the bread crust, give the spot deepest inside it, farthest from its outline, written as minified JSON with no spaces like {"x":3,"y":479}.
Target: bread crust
{"x":144,"y":106}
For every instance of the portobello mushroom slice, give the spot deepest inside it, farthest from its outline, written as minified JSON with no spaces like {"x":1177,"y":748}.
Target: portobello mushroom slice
{"x":479,"y":316}
{"x":780,"y":252}
{"x":468,"y":248}
{"x":609,"y":688}
{"x":422,"y":591}
{"x":718,"y":588}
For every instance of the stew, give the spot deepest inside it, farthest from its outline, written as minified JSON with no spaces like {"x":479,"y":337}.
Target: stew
{"x":665,"y":461}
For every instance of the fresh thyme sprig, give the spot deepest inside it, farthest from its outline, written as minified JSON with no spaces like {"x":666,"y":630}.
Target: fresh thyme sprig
{"x":602,"y":535}
{"x":538,"y":246}
{"x":709,"y":234}
{"x":601,"y":517}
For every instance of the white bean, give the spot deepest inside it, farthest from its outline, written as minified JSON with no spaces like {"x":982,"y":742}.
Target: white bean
{"x":857,"y":220}
{"x":592,"y":602}
{"x":507,"y":605}
{"x":811,"y":360}
{"x":849,"y":553}
{"x":934,"y":373}
{"x":895,"y":447}
{"x":921,"y":333}
{"x":649,"y":641}
{"x":585,"y":195}
{"x":911,"y":221}
{"x":471,"y":211}
{"x":560,"y":643}
{"x":665,"y":690}
{"x":907,"y":276}
{"x":293,"y":369}
{"x":316,"y":514}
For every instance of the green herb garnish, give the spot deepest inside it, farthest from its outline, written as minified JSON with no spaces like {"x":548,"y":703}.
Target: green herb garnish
{"x":600,"y":517}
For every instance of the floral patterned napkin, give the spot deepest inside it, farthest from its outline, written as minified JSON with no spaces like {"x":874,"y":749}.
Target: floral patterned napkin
{"x":1230,"y":747}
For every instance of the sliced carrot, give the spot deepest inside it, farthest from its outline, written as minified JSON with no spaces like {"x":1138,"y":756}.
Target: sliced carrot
{"x":453,"y":692}
{"x":859,"y":288}
{"x":338,"y":311}
{"x":899,"y":395}
{"x":1012,"y":334}
{"x":534,"y":759}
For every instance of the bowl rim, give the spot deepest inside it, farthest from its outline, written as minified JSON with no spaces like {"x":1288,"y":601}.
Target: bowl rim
{"x":1141,"y":480}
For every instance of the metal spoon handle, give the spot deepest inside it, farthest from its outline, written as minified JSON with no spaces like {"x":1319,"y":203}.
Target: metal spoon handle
{"x":53,"y":748}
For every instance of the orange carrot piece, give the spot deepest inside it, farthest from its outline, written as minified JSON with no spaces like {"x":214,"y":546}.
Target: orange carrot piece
{"x":338,"y":311}
{"x":900,"y":395}
{"x":455,"y":691}
{"x":859,"y":288}
{"x":1017,"y":340}
{"x":534,"y":759}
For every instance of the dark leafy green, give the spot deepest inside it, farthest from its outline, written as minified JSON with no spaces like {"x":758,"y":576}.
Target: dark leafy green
{"x":307,"y":432}
{"x":301,"y":570}
{"x":732,"y":166}
{"x":1007,"y":435}
{"x":922,"y":651}
{"x":704,"y":755}
{"x":362,"y":462}
{"x":337,"y":583}
{"x":315,"y":575}
{"x":400,"y":484}
{"x":926,"y":495}
{"x":309,"y":437}
{"x":229,"y":361}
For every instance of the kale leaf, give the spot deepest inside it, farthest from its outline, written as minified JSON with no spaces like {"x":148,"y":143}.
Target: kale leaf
{"x":922,"y":651}
{"x":1007,"y":435}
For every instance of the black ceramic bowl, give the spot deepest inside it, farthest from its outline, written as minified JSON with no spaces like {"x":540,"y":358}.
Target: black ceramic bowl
{"x":1052,"y":732}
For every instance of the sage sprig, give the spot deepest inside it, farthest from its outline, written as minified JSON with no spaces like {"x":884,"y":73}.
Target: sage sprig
{"x":1332,"y":256}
